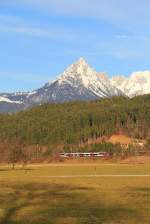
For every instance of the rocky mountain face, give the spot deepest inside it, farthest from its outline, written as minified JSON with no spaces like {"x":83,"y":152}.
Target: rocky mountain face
{"x":137,"y":84}
{"x":79,"y":82}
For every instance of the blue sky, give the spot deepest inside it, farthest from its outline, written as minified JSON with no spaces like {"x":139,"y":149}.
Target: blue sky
{"x":39,"y":39}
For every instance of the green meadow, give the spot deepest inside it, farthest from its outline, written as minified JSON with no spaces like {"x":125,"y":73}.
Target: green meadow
{"x":75,"y":194}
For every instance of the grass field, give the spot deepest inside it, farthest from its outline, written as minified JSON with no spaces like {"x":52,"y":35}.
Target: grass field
{"x":74,"y":194}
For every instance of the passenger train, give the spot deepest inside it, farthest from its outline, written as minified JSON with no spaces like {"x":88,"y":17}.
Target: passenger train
{"x":84,"y":154}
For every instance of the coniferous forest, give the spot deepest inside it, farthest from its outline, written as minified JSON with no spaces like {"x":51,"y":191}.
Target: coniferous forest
{"x":56,"y":127}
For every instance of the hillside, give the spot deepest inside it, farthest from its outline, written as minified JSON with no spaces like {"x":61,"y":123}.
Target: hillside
{"x":75,"y":123}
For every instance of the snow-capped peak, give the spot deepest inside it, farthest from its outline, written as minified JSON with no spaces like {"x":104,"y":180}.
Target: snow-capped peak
{"x":80,"y":67}
{"x":81,"y":61}
{"x":80,"y":70}
{"x":138,"y":83}
{"x":81,"y":74}
{"x":78,"y":82}
{"x":141,"y":76}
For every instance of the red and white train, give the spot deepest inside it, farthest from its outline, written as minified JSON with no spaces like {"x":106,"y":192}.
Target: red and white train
{"x":84,"y":154}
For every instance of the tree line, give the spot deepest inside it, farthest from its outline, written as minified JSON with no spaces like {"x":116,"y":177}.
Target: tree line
{"x":65,"y":126}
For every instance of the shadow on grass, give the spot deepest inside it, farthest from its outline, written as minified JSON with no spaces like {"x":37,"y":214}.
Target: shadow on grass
{"x":145,"y":191}
{"x":5,"y":169}
{"x":59,"y":203}
{"x":16,"y":169}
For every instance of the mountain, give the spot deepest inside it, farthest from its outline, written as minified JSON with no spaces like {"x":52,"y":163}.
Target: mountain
{"x":137,"y":84}
{"x":12,"y":102}
{"x":118,"y":81}
{"x":79,"y":82}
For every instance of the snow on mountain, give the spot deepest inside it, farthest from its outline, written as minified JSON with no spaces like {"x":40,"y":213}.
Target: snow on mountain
{"x":82,"y":74}
{"x":78,"y":82}
{"x":30,"y":93}
{"x":118,"y":81}
{"x":6,"y":100}
{"x":137,"y":84}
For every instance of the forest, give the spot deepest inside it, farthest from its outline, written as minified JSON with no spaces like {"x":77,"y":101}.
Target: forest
{"x":52,"y":128}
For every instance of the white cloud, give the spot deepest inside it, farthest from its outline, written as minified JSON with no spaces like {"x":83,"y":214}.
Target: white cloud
{"x":15,"y":24}
{"x":91,"y":8}
{"x":135,"y":11}
{"x":38,"y":32}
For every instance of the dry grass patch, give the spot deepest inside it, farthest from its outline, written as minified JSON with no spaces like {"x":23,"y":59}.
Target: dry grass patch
{"x":106,"y":200}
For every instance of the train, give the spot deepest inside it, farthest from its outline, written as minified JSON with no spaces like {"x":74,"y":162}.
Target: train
{"x":84,"y":154}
